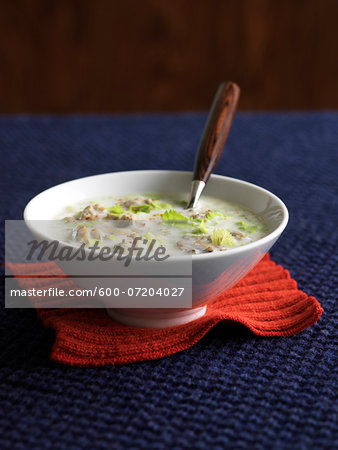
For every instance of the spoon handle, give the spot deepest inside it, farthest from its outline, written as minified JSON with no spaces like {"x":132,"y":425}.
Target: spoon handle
{"x":216,"y":130}
{"x":213,"y":138}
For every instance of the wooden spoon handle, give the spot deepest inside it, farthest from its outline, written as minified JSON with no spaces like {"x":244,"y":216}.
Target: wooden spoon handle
{"x":216,"y":130}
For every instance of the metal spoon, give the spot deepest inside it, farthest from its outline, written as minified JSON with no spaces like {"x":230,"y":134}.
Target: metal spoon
{"x":213,"y":138}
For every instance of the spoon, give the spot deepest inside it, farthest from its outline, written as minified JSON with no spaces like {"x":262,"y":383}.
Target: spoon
{"x":213,"y":138}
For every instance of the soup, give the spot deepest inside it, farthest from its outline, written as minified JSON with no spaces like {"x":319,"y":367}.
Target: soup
{"x":214,"y":226}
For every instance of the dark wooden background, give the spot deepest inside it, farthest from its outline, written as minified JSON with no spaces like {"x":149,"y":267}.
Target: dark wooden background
{"x":63,"y":56}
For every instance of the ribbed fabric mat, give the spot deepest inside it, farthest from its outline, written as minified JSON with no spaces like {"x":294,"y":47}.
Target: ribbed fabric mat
{"x":232,"y":389}
{"x":267,"y":301}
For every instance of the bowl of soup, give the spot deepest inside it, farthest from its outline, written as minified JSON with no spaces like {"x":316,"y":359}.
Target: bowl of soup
{"x":215,"y":245}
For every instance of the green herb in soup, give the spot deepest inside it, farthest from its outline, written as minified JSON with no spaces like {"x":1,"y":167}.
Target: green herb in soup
{"x":214,"y":226}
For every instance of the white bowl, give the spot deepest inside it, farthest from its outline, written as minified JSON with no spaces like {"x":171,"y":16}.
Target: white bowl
{"x":213,"y":273}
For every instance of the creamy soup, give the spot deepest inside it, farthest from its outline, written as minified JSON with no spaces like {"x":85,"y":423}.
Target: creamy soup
{"x":214,"y":226}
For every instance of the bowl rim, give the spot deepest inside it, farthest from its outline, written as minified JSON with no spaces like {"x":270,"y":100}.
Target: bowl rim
{"x":212,"y":255}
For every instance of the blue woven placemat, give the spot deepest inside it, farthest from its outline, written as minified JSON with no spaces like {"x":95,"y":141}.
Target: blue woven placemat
{"x":232,"y":389}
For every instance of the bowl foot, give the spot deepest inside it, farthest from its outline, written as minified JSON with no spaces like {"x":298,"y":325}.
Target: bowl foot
{"x":157,"y":319}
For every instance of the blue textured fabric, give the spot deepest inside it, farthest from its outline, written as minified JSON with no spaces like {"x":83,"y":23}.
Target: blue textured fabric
{"x":231,"y":390}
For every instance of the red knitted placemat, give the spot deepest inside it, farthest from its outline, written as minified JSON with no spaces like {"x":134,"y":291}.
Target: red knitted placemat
{"x":266,"y":301}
